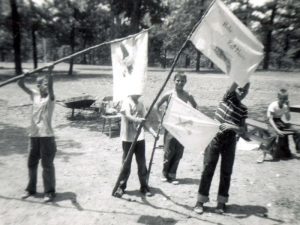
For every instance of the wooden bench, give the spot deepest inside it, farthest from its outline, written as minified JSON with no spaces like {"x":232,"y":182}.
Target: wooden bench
{"x":258,"y":131}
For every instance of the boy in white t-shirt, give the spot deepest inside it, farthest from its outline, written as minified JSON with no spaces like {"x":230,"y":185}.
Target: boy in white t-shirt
{"x":133,"y":113}
{"x":42,"y":142}
{"x":276,"y":111}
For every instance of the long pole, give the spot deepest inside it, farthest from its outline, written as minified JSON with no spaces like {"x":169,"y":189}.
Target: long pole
{"x":130,"y":152}
{"x":66,"y":58}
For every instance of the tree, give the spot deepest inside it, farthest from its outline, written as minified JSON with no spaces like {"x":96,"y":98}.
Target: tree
{"x":15,"y":18}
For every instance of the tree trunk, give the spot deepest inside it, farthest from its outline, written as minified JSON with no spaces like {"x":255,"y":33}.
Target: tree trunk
{"x":268,"y":39}
{"x":34,"y":48}
{"x":72,"y":45}
{"x":16,"y":36}
{"x":136,"y":16}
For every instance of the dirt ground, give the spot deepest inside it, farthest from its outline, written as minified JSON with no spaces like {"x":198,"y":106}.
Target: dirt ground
{"x":88,"y":161}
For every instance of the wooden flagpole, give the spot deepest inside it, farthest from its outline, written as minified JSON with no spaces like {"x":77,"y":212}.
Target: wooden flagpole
{"x":130,"y":152}
{"x":67,"y":58}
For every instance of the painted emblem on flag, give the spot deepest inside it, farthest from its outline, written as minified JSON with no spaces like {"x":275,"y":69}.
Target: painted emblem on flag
{"x":129,"y":64}
{"x":190,"y":127}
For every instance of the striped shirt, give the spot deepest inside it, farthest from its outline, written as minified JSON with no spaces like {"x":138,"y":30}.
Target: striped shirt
{"x":231,"y":110}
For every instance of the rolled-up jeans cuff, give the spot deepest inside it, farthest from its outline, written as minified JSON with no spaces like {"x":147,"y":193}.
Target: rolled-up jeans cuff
{"x":202,"y":198}
{"x":222,"y":199}
{"x":172,"y":175}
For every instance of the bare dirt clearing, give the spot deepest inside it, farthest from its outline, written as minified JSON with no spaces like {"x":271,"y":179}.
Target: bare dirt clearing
{"x":88,"y":162}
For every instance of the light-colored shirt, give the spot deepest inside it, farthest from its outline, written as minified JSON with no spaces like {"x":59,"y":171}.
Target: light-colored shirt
{"x":276,"y":111}
{"x":128,"y":127}
{"x":42,"y":111}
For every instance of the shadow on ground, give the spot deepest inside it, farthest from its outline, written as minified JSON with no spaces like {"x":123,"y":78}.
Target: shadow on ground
{"x":13,"y":140}
{"x":156,"y":220}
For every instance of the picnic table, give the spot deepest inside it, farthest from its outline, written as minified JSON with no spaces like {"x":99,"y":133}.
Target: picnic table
{"x":295,"y":108}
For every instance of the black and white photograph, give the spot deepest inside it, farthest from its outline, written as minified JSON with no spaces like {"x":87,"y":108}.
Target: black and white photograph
{"x":152,"y":112}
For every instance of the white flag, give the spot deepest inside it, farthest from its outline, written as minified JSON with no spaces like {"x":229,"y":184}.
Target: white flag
{"x":190,"y":127}
{"x":227,"y":42}
{"x":129,"y":62}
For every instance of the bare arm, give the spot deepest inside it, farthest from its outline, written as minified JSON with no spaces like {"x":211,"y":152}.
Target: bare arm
{"x":50,"y":83}
{"x":271,"y":121}
{"x":192,"y":101}
{"x":156,"y":108}
{"x":21,"y":84}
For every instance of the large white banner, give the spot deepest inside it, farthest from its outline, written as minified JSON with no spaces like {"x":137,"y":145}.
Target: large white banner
{"x":190,"y":127}
{"x":129,"y":62}
{"x":227,"y":42}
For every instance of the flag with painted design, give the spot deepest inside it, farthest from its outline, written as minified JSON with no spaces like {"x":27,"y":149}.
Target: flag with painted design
{"x":129,"y":65}
{"x":228,"y":43}
{"x":190,"y":127}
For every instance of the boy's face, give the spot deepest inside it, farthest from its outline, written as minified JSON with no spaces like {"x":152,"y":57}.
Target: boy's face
{"x":179,"y":83}
{"x":42,"y":85}
{"x":283,"y":99}
{"x":242,"y":92}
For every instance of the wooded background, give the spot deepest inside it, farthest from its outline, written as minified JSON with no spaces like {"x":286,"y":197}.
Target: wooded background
{"x":53,"y":29}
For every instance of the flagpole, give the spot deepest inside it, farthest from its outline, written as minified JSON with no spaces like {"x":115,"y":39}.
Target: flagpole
{"x":67,"y":58}
{"x":155,"y":142}
{"x":130,"y":152}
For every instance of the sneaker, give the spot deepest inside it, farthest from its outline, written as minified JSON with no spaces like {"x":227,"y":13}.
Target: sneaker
{"x":164,"y":179}
{"x":220,"y":209}
{"x":145,"y":191}
{"x":174,"y":181}
{"x":27,"y":194}
{"x":49,"y":197}
{"x":119,"y":193}
{"x":199,"y":209}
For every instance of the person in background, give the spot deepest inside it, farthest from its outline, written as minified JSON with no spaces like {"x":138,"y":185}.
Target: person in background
{"x":173,"y":150}
{"x":231,"y":113}
{"x":42,"y":141}
{"x":280,"y":129}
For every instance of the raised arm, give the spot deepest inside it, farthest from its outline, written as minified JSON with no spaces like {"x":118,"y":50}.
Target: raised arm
{"x":21,"y":84}
{"x":50,"y":83}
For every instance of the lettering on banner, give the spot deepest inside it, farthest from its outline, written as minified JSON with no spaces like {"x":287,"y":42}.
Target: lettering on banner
{"x":236,"y":49}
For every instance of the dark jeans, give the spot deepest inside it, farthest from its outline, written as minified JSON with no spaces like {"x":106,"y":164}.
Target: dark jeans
{"x":43,"y":148}
{"x":173,"y":152}
{"x":223,"y":144}
{"x":140,"y":157}
{"x":281,"y":148}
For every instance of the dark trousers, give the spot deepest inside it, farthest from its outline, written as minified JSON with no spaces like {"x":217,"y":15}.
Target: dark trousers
{"x":223,"y":144}
{"x":139,"y":151}
{"x":281,"y":148}
{"x":43,"y":148}
{"x":173,"y":152}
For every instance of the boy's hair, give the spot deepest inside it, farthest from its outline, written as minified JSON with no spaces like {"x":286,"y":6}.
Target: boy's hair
{"x":180,"y":75}
{"x":283,"y":93}
{"x":41,"y":79}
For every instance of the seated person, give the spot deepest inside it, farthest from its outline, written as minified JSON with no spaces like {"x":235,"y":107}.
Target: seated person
{"x":279,"y":128}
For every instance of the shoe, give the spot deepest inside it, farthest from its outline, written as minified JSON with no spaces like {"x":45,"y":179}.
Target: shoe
{"x":27,"y":194}
{"x":174,"y":181}
{"x":220,"y":209}
{"x":145,"y":191}
{"x":119,"y":193}
{"x":199,"y":209}
{"x":164,"y":179}
{"x":49,"y":197}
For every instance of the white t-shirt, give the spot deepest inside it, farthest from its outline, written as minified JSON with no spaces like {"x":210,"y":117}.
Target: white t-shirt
{"x":128,"y":127}
{"x":276,"y":111}
{"x":42,"y":111}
